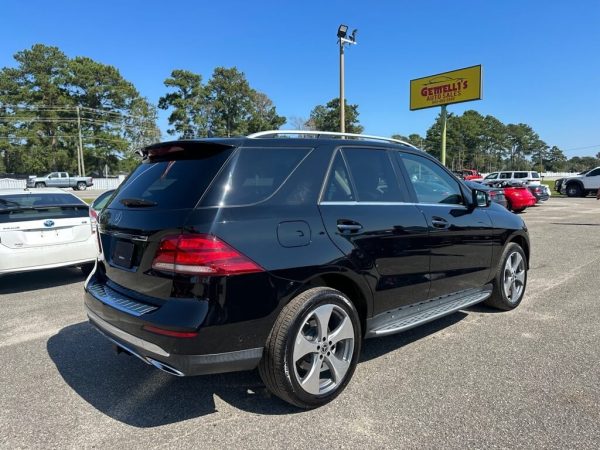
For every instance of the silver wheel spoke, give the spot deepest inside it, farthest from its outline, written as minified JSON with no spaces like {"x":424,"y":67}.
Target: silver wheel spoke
{"x":520,"y":277}
{"x":507,"y":284}
{"x":323,"y":314}
{"x":517,"y":259}
{"x":338,"y":367}
{"x":345,"y":330}
{"x":311,"y":382}
{"x":303,"y":347}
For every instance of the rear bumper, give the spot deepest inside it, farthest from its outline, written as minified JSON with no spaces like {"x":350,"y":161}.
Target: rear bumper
{"x":14,"y":260}
{"x":180,"y":365}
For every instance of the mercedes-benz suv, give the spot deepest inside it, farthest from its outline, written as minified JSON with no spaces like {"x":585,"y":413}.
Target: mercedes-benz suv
{"x":283,"y":253}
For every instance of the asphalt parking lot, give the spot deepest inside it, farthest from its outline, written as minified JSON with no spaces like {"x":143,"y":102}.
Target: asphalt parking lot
{"x":529,"y":378}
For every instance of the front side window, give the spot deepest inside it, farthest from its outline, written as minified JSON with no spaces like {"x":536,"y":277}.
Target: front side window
{"x":373,"y":175}
{"x":431,"y":183}
{"x":594,"y":173}
{"x":505,"y":175}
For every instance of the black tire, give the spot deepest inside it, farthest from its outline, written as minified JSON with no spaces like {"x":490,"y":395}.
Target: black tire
{"x":81,"y":186}
{"x":500,"y":299}
{"x":279,"y":370}
{"x":86,"y":269}
{"x":518,"y":211}
{"x":40,"y":185}
{"x":573,"y":190}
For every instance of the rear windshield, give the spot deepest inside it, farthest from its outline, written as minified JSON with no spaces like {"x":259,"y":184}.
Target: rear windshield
{"x":23,"y":207}
{"x":252,"y":175}
{"x":176,"y":184}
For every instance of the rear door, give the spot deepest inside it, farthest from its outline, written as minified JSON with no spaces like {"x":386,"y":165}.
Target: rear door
{"x":460,"y":237}
{"x":368,"y":215}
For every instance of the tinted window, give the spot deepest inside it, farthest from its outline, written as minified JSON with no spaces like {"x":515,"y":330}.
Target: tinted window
{"x":373,"y":175}
{"x":63,"y":175}
{"x":432,"y":184}
{"x":177,"y":184}
{"x":338,"y":187}
{"x":535,"y":175}
{"x":594,"y":173}
{"x":520,"y":175}
{"x":505,"y":175}
{"x":253,"y":174}
{"x":40,"y":206}
{"x":492,"y":176}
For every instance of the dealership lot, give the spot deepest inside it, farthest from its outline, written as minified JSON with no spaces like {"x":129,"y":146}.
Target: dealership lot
{"x":526,"y":378}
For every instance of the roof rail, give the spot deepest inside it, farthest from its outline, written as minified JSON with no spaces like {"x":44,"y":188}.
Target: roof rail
{"x":274,"y":133}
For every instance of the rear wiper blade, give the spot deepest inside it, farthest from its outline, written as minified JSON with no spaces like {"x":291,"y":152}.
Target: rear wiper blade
{"x":137,"y":202}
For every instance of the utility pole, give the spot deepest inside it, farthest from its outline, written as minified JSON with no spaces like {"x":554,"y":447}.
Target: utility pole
{"x":80,"y":163}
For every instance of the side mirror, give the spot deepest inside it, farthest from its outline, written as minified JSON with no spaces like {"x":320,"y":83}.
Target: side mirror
{"x":481,"y":199}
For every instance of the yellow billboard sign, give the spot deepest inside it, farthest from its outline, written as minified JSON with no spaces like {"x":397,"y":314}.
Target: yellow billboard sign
{"x":457,"y":86}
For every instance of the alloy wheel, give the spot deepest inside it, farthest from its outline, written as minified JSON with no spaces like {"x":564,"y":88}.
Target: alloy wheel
{"x":323,"y":349}
{"x":514,"y":277}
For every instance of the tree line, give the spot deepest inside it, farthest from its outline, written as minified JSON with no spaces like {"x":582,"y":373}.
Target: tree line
{"x":50,"y":104}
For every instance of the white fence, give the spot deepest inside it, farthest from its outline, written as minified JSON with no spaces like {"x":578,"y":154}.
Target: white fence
{"x":99,"y":183}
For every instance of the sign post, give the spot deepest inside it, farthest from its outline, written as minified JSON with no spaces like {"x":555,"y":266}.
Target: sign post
{"x":457,"y":86}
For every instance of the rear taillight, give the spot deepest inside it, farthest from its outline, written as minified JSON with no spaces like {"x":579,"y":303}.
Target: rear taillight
{"x":201,"y":254}
{"x":93,"y":220}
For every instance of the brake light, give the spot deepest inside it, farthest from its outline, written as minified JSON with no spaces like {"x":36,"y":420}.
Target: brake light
{"x":93,"y":220}
{"x":201,"y":254}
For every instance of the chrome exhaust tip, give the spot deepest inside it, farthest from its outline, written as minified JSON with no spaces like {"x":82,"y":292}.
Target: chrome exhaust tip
{"x":165,"y":367}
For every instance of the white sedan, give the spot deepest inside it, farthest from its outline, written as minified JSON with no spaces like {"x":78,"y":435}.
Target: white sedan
{"x":43,"y":229}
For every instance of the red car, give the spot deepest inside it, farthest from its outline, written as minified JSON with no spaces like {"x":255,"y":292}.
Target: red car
{"x":518,"y":198}
{"x":468,"y":174}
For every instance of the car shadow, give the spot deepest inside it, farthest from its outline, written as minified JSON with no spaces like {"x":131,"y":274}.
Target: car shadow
{"x":40,"y":279}
{"x":127,"y":390}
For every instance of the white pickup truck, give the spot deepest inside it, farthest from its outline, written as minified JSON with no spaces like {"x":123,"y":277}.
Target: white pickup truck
{"x":580,"y":185}
{"x":60,"y":180}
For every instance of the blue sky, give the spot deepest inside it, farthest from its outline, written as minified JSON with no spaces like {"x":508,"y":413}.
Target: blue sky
{"x":541,"y":59}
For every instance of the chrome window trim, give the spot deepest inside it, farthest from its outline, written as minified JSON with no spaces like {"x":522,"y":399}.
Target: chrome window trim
{"x":446,"y":205}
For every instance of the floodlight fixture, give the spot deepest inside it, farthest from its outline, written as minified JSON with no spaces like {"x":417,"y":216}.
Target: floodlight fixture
{"x":342,"y":31}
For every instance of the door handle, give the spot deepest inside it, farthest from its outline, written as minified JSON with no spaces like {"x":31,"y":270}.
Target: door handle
{"x":348,"y":225}
{"x":439,"y":222}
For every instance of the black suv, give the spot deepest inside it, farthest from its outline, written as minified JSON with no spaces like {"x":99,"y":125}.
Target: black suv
{"x":284,"y":253}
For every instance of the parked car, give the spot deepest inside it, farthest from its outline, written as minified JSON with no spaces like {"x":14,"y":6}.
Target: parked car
{"x":227,"y":254}
{"x":60,"y":180}
{"x":43,"y":229}
{"x":585,"y":183}
{"x":518,"y":196}
{"x":540,"y":192}
{"x":99,"y":203}
{"x":468,"y":174}
{"x":558,"y":183}
{"x":495,"y":194}
{"x":527,"y":177}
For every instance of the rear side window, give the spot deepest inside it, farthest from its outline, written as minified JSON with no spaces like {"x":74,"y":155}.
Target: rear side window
{"x":253,"y":174}
{"x":176,"y":184}
{"x":373,"y":175}
{"x":505,"y":175}
{"x":520,"y":175}
{"x":338,"y":187}
{"x":535,"y":175}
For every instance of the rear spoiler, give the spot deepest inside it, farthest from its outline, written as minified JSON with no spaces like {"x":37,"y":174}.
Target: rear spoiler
{"x":176,"y":149}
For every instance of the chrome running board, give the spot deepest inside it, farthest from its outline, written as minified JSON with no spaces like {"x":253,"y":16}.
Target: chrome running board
{"x":412,"y":316}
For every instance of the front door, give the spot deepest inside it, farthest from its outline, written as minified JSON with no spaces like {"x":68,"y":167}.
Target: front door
{"x":460,"y":236}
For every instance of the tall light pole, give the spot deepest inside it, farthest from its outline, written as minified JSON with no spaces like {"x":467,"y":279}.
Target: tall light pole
{"x":344,"y":39}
